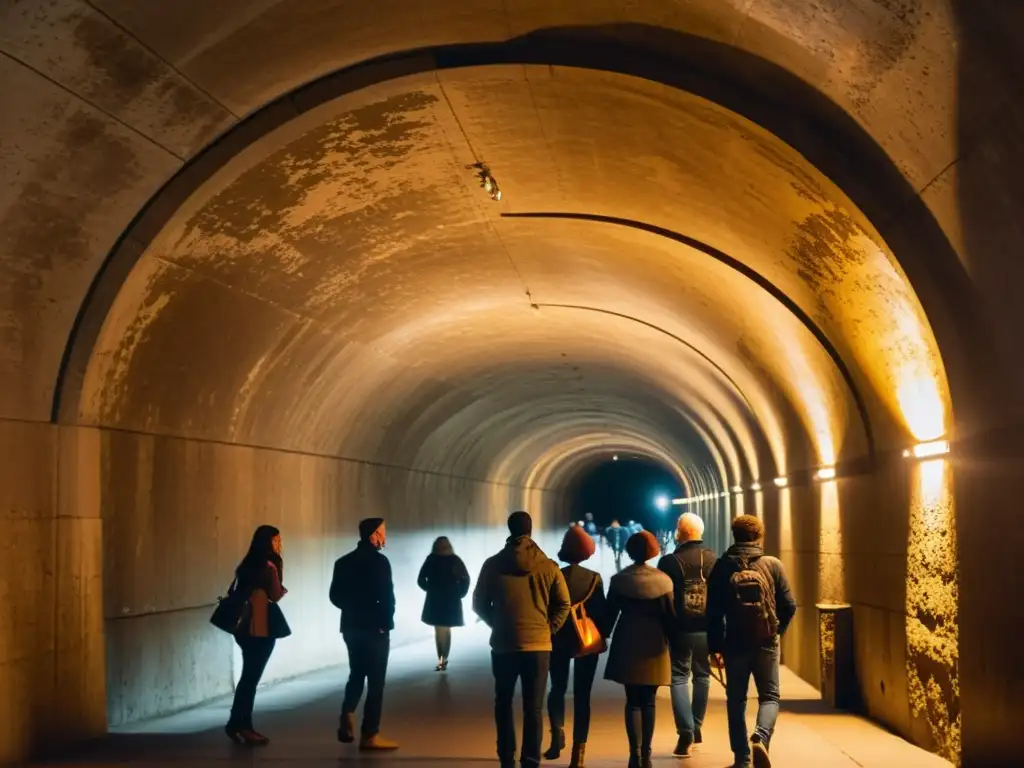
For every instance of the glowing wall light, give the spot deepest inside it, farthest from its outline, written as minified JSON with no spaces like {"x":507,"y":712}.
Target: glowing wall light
{"x":737,"y":489}
{"x":826,"y":473}
{"x":678,"y":502}
{"x":755,"y":487}
{"x":724,"y":494}
{"x":928,"y":450}
{"x":781,"y":482}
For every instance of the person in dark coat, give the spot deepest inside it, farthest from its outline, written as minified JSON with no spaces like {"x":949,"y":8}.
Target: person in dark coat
{"x":640,"y":607}
{"x":259,"y":576}
{"x":446,"y":581}
{"x":689,"y":567}
{"x":363,"y":589}
{"x":586,"y":589}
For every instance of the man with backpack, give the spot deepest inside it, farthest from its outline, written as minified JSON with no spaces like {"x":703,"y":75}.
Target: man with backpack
{"x":689,"y":567}
{"x":749,"y":607}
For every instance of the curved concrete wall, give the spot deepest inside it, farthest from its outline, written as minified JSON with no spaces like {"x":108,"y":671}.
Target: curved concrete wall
{"x":790,"y":249}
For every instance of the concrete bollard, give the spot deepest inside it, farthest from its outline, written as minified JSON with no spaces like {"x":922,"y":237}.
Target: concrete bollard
{"x":835,"y":653}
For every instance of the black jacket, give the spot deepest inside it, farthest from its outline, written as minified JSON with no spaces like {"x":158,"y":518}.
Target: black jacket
{"x":719,"y":594}
{"x":580,"y":581}
{"x":694,"y":560}
{"x":446,"y":581}
{"x":362,"y":588}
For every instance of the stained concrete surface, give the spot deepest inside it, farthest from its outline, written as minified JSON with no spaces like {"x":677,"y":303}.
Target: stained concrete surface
{"x":447,"y":719}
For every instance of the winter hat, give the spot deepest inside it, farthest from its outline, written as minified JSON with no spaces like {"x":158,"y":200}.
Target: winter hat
{"x":369,"y":526}
{"x":642,"y":547}
{"x":520,"y":524}
{"x":577,"y":546}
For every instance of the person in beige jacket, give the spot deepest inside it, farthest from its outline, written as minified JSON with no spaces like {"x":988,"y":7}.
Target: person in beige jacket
{"x":521,"y":595}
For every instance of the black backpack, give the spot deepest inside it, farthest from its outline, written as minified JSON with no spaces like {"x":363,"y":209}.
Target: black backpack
{"x":751,"y":620}
{"x":692,"y":603}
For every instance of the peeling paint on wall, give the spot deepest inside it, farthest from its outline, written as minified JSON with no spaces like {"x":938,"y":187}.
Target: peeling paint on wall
{"x":933,"y":652}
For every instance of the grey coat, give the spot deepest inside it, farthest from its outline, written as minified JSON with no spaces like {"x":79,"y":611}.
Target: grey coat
{"x":641,"y":610}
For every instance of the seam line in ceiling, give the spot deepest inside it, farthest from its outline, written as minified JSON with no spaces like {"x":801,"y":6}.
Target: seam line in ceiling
{"x":743,"y":269}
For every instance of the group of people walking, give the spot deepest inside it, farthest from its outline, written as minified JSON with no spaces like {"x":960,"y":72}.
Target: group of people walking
{"x":668,"y":625}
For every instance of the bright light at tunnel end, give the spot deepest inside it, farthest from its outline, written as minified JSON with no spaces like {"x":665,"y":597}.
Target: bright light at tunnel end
{"x":661,"y":502}
{"x":927,"y":450}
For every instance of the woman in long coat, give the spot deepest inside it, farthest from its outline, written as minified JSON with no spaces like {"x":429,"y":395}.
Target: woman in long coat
{"x":446,"y":581}
{"x":640,"y":608}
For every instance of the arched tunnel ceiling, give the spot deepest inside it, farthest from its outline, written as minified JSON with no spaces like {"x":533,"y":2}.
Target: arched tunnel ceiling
{"x":358,"y":226}
{"x":345,"y":230}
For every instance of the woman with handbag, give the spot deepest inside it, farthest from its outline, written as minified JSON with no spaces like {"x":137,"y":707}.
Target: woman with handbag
{"x":641,"y":610}
{"x":260,"y":623}
{"x":446,"y":581}
{"x":579,"y":642}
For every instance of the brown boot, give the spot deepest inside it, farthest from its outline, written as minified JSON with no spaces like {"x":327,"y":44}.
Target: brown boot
{"x":347,"y":728}
{"x":578,"y":752}
{"x":376,"y":743}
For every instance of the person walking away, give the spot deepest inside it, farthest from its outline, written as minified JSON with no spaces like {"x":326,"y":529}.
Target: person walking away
{"x":446,"y":581}
{"x":259,"y":575}
{"x":362,"y":588}
{"x":689,"y":567}
{"x":521,"y":595}
{"x":617,"y":536}
{"x":750,"y":606}
{"x":589,"y":525}
{"x":587,"y":589}
{"x":640,"y":606}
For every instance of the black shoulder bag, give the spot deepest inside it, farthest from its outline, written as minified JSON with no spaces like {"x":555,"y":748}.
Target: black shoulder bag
{"x":233,"y":611}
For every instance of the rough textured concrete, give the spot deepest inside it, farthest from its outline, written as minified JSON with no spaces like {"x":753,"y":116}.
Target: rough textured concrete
{"x":328,"y":280}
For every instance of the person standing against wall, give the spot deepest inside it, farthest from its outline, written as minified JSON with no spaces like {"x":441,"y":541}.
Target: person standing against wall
{"x":689,"y":567}
{"x":521,"y":595}
{"x":362,"y":588}
{"x":446,"y":581}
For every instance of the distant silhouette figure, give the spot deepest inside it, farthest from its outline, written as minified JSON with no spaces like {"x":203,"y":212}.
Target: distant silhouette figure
{"x":446,"y":581}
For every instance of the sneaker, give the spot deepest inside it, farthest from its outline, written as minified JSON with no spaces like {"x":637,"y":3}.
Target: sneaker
{"x":347,"y":728}
{"x":683,"y":747}
{"x":376,"y":743}
{"x":759,"y":752}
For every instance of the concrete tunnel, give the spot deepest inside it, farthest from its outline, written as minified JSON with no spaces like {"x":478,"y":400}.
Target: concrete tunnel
{"x":250,"y":276}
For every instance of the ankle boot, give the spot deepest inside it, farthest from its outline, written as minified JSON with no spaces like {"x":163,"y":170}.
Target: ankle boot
{"x":634,"y":759}
{"x":579,"y":750}
{"x":645,"y":758}
{"x":557,"y":744}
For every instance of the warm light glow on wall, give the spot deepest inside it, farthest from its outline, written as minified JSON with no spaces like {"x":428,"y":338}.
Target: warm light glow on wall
{"x":924,"y":409}
{"x":781,"y":482}
{"x":928,"y":450}
{"x":831,"y":583}
{"x":826,"y":473}
{"x":933,"y":642}
{"x":755,"y":487}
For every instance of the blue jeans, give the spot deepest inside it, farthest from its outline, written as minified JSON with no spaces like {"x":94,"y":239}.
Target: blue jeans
{"x":690,"y":656}
{"x":763,"y":664}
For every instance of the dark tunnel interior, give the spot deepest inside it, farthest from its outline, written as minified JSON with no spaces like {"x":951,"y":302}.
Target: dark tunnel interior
{"x":764,"y":251}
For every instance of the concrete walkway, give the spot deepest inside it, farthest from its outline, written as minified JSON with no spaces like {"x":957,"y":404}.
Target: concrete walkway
{"x":447,"y":718}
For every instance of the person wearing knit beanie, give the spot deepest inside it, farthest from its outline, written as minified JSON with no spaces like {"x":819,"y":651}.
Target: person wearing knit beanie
{"x":577,"y":546}
{"x":642,"y":546}
{"x":586,"y":589}
{"x":363,"y":589}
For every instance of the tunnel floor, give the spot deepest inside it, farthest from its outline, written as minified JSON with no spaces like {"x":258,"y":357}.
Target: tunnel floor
{"x":447,"y":718}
